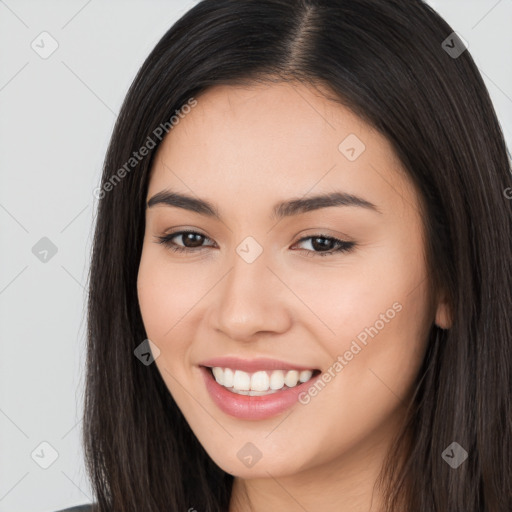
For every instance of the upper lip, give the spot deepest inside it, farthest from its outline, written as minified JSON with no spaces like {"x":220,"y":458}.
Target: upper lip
{"x":253,"y":365}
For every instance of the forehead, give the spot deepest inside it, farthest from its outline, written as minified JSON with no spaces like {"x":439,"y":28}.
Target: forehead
{"x":270,"y":141}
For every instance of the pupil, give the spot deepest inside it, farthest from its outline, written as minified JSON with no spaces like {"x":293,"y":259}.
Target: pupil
{"x":189,"y":237}
{"x":316,"y":245}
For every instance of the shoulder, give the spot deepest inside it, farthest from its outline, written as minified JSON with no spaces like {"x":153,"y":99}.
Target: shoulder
{"x":79,"y":508}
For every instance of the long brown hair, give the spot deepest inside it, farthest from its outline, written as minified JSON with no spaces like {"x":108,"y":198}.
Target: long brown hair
{"x":397,"y":65}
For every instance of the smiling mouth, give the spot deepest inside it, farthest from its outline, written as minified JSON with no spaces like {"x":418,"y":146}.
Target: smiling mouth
{"x":259,"y":383}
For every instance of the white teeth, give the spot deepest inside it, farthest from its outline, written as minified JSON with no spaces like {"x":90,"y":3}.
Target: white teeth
{"x":305,"y":375}
{"x":277,"y":379}
{"x":260,"y":382}
{"x":241,"y":381}
{"x":291,"y":378}
{"x":228,"y":377}
{"x":219,"y":375}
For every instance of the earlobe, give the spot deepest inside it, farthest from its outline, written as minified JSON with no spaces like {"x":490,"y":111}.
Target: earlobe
{"x":443,"y":313}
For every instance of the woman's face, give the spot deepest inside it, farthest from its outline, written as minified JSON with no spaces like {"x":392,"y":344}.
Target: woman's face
{"x":264,"y":282}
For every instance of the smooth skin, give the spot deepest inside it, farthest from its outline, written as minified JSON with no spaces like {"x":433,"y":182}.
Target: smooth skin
{"x":244,"y":149}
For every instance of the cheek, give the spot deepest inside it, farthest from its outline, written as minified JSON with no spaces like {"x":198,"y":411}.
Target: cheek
{"x":165,"y":296}
{"x":375,"y":313}
{"x":351,"y":298}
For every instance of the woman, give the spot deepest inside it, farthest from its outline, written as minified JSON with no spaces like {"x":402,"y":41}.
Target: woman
{"x":301,"y":273}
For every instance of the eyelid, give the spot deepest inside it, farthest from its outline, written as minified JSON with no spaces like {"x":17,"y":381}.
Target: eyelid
{"x":328,"y":233}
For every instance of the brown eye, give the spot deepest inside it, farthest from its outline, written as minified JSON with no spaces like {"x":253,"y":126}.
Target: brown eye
{"x":191,"y":240}
{"x":326,"y":245}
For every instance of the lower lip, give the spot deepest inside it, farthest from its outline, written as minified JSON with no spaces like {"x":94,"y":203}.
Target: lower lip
{"x":252,"y":407}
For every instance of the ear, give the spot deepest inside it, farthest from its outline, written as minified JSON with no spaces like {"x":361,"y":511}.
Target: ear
{"x":443,"y":317}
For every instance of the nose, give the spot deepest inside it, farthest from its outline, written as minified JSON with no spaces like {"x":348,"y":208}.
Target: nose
{"x":251,"y":300}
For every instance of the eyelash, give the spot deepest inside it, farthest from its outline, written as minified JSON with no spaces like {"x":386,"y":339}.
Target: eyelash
{"x":343,"y":246}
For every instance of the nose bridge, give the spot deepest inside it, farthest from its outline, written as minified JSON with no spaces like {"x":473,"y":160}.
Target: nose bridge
{"x":249,"y":300}
{"x":249,"y":274}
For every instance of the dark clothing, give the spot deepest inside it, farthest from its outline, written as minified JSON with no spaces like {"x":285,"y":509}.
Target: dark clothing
{"x":79,"y":508}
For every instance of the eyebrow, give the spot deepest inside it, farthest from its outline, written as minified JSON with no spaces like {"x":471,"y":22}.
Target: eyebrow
{"x":280,"y":210}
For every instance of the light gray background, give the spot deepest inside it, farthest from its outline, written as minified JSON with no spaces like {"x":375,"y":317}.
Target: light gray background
{"x":57,"y":115}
